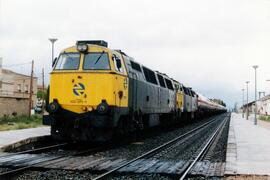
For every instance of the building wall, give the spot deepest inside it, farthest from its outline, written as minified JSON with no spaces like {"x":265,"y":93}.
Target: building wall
{"x":264,"y":107}
{"x":14,"y":85}
{"x":9,"y":105}
{"x":15,"y":92}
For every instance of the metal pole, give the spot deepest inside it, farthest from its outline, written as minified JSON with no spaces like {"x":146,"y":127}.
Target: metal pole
{"x":247,"y":102}
{"x":31,"y":89}
{"x":43,"y":91}
{"x":243,"y":94}
{"x":52,"y":41}
{"x":52,"y":51}
{"x":255,"y":117}
{"x":268,"y":80}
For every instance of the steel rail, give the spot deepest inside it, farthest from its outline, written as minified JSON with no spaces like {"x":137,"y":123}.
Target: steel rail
{"x":7,"y":174}
{"x":157,"y":149}
{"x":35,"y":150}
{"x":205,"y":148}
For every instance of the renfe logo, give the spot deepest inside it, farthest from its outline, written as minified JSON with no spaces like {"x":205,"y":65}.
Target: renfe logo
{"x":78,"y":89}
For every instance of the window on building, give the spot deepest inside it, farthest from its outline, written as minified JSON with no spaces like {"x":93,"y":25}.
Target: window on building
{"x":1,"y":84}
{"x":26,"y":87}
{"x":19,"y":87}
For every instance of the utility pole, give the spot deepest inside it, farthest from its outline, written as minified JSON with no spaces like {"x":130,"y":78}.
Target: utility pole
{"x":243,"y":94}
{"x":247,"y":100}
{"x":31,"y":89}
{"x":255,"y":117}
{"x":43,"y":90}
{"x":261,"y":92}
{"x":268,"y":80}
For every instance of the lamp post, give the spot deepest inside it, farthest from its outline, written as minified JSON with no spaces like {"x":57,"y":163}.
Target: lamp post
{"x":52,"y":41}
{"x":255,"y":117}
{"x":268,"y":80}
{"x":261,"y":92}
{"x":247,"y":100}
{"x":243,"y":94}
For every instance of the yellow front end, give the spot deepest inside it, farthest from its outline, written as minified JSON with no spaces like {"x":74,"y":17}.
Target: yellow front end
{"x":81,"y":90}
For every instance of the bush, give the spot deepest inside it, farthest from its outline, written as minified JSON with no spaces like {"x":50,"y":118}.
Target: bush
{"x":20,"y":122}
{"x":264,"y":118}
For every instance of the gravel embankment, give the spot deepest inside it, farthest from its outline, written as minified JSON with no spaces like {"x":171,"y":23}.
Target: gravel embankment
{"x":55,"y":175}
{"x":135,"y":149}
{"x":219,"y":152}
{"x":185,"y":150}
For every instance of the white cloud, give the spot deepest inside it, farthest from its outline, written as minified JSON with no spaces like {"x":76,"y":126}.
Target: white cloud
{"x":209,"y":45}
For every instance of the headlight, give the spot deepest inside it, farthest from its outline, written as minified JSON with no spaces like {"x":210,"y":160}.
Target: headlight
{"x":102,"y":108}
{"x":53,"y":107}
{"x":82,"y":47}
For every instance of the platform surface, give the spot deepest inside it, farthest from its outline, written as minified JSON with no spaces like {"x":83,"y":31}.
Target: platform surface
{"x":12,"y":136}
{"x":248,"y":148}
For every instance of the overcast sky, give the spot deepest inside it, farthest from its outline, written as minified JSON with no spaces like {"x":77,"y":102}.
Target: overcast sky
{"x":209,"y":45}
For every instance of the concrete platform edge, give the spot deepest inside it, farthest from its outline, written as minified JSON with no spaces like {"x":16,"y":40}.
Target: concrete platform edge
{"x":22,"y":142}
{"x":231,"y":154}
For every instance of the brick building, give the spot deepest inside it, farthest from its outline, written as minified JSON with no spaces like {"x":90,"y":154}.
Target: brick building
{"x":15,"y":92}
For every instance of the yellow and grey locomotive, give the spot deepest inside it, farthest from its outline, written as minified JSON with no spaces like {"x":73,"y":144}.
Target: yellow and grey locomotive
{"x":96,"y":92}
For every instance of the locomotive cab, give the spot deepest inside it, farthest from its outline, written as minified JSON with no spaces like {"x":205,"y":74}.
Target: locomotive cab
{"x":87,"y":84}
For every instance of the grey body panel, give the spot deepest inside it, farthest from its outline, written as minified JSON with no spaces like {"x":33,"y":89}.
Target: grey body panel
{"x":147,"y":97}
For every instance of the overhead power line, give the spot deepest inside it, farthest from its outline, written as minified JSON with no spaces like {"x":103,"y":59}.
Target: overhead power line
{"x":12,"y":65}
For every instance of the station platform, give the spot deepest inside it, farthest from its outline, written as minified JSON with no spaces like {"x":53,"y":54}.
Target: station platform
{"x":248,"y":147}
{"x":13,"y":136}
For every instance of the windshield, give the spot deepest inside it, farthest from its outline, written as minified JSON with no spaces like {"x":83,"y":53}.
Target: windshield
{"x":96,"y":61}
{"x":68,"y":61}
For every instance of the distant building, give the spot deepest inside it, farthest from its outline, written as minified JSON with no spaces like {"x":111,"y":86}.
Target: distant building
{"x":263,"y":106}
{"x":15,"y":92}
{"x":40,"y":88}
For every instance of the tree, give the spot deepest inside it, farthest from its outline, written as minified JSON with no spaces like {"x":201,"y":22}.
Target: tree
{"x":219,"y":101}
{"x":41,"y":94}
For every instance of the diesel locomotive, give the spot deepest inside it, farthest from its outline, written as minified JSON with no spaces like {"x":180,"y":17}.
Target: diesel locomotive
{"x":96,"y":92}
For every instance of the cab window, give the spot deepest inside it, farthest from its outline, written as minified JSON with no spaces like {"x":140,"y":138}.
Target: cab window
{"x":119,"y":67}
{"x":68,"y":61}
{"x":96,"y":61}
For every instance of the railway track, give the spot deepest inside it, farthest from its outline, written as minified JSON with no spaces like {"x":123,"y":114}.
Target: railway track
{"x":37,"y":150}
{"x":20,"y":169}
{"x":189,"y":164}
{"x":204,"y":149}
{"x":149,"y":162}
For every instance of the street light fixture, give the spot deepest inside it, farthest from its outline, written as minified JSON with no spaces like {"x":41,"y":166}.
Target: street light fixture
{"x":247,"y":100}
{"x":261,"y":92}
{"x":243,"y":94}
{"x":52,"y":41}
{"x":268,"y":80}
{"x":255,"y":117}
